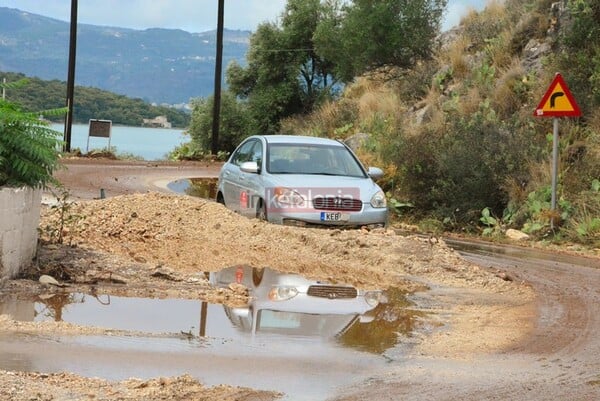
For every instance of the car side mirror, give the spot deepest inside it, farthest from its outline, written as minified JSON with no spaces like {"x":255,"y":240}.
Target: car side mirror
{"x":375,"y":172}
{"x":249,"y":167}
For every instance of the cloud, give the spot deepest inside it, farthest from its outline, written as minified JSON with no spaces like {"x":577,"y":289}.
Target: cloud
{"x":189,"y":15}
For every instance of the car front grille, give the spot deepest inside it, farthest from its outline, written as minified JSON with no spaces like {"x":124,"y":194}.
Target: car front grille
{"x":332,"y":292}
{"x":338,"y":204}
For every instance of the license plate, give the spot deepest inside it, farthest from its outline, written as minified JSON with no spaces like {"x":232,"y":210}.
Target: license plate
{"x":334,"y":216}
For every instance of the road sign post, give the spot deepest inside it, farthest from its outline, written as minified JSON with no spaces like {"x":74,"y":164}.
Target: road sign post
{"x":101,"y":129}
{"x":557,"y":102}
{"x":554,"y":168}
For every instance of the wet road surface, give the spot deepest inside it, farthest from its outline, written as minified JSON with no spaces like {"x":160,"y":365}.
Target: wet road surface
{"x":558,"y":361}
{"x":306,"y":348}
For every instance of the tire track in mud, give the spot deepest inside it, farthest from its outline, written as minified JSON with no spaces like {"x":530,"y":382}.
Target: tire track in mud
{"x":558,"y":361}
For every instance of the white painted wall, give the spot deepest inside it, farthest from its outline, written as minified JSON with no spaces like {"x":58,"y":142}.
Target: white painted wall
{"x":19,"y":221}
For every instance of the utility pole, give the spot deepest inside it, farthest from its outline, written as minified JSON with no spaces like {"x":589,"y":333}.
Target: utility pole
{"x":218,"y":69}
{"x":3,"y":89}
{"x":71,"y":76}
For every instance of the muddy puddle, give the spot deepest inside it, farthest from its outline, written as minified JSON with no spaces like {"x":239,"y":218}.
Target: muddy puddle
{"x":205,"y":188}
{"x":304,"y":338}
{"x":467,"y":248}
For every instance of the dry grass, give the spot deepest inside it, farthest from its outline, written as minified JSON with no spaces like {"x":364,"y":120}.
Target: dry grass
{"x":435,"y":118}
{"x":593,"y":121}
{"x":479,"y":27}
{"x":456,"y":57}
{"x":495,"y":11}
{"x":414,"y":85}
{"x":360,"y":86}
{"x":540,"y":175}
{"x":516,"y":189}
{"x":530,"y":26}
{"x":380,"y":101}
{"x":362,"y":103}
{"x":471,"y":17}
{"x":470,"y":101}
{"x":507,"y":96}
{"x":499,"y":51}
{"x":332,"y":119}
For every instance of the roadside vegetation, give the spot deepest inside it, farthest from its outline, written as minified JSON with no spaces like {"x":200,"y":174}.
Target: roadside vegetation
{"x":28,"y":147}
{"x":450,"y":117}
{"x":90,"y":103}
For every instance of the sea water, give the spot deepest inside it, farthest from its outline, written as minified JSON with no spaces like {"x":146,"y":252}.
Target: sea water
{"x":146,"y":143}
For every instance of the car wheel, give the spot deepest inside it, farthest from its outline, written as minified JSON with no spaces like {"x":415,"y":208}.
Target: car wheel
{"x":261,"y":211}
{"x":257,"y":275}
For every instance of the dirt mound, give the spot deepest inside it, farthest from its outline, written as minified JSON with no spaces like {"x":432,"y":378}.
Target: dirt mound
{"x":18,"y":386}
{"x":194,"y":235}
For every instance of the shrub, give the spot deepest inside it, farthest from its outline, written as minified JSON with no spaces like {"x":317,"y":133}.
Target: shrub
{"x":533,"y":25}
{"x":29,"y":149}
{"x":511,"y":90}
{"x":234,"y":124}
{"x":187,"y":151}
{"x":487,"y":24}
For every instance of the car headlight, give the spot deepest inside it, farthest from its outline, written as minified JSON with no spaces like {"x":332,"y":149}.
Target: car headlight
{"x":378,"y":200}
{"x":373,"y":298}
{"x":282,"y":293}
{"x":287,"y":196}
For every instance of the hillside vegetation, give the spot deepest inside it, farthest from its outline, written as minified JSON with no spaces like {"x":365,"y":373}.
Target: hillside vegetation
{"x":452,"y":123}
{"x":89,"y":103}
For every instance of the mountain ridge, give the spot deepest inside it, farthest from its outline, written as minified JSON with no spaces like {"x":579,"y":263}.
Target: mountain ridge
{"x":158,"y":65}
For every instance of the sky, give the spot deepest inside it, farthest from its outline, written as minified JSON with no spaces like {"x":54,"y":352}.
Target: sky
{"x":189,"y":15}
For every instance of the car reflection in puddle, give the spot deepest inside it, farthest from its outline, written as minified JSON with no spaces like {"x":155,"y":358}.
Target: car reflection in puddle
{"x":279,"y":305}
{"x":311,"y":337}
{"x":291,"y":305}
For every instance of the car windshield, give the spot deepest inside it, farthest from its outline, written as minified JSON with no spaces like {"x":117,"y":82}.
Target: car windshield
{"x":294,"y":158}
{"x":305,"y":324}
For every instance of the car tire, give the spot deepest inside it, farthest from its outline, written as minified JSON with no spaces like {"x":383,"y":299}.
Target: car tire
{"x":257,"y":275}
{"x":261,"y":211}
{"x":220,"y":199}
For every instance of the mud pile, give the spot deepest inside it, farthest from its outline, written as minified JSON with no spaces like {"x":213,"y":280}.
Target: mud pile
{"x":191,"y":234}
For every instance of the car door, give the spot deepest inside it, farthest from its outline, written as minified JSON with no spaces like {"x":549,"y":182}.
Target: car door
{"x":251,"y":184}
{"x":231,"y":175}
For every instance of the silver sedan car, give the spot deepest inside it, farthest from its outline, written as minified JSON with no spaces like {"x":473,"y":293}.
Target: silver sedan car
{"x":302,"y":181}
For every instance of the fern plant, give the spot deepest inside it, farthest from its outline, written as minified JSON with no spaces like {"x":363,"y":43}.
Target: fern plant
{"x":29,"y":148}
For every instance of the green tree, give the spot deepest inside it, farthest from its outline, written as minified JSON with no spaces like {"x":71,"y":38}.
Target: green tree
{"x":284,"y":75}
{"x":372,"y":33}
{"x":28,"y":148}
{"x":233,"y":124}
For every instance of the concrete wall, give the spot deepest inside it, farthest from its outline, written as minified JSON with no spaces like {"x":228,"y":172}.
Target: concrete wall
{"x":19,"y":221}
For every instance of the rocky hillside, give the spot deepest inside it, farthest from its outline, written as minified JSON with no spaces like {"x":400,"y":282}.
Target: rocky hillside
{"x":457,"y":134}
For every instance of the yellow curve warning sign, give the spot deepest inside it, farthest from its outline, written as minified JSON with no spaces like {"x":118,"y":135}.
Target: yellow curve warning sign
{"x":558,"y":101}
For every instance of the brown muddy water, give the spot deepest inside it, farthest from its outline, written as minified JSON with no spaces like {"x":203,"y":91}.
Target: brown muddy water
{"x":308,"y":347}
{"x":205,"y":188}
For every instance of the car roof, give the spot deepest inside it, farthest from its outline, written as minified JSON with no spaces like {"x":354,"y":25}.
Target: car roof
{"x":300,"y":139}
